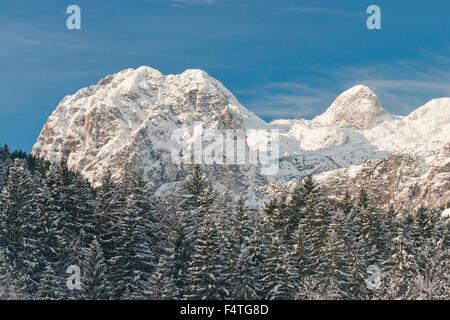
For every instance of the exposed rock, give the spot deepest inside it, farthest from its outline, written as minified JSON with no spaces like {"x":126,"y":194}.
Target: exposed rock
{"x":129,"y":120}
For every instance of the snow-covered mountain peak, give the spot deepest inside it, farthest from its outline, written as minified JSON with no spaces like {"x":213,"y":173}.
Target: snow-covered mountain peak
{"x":196,"y":74}
{"x":145,"y":92}
{"x":128,"y":119}
{"x":358,"y":106}
{"x":134,"y":111}
{"x":434,"y":110}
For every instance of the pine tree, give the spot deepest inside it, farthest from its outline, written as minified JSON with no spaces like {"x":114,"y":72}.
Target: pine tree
{"x":76,"y":203}
{"x":242,"y":264}
{"x":5,"y":164}
{"x":95,"y":283}
{"x":240,"y":225}
{"x":276,"y":214}
{"x":161,"y":285}
{"x":389,"y":225}
{"x":357,"y":287}
{"x":195,"y":200}
{"x":336,"y":273}
{"x":204,"y":276}
{"x":109,"y":226}
{"x":295,"y":208}
{"x":196,"y":192}
{"x":370,"y":229}
{"x":142,"y":234}
{"x":195,"y":203}
{"x":433,"y":259}
{"x":422,"y":226}
{"x":299,"y":253}
{"x":314,"y":226}
{"x":80,"y":223}
{"x":181,"y":256}
{"x":420,"y":230}
{"x":245,"y":275}
{"x":401,"y":268}
{"x":48,"y":227}
{"x":11,"y":284}
{"x":50,"y":285}
{"x":346,"y":205}
{"x":17,"y":218}
{"x":366,"y":243}
{"x":280,"y":282}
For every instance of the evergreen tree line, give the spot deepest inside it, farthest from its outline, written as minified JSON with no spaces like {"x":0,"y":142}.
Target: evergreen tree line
{"x":131,"y":244}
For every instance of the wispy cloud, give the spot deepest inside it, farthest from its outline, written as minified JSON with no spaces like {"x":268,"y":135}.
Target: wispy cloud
{"x":20,"y":39}
{"x":286,"y":100}
{"x":322,"y":10}
{"x":402,"y":87}
{"x":191,"y":1}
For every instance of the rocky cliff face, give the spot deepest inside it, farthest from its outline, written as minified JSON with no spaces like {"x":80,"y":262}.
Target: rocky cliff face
{"x":129,"y":120}
{"x":405,"y":181}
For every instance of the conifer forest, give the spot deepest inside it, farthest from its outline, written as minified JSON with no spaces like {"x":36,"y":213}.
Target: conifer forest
{"x":129,"y":243}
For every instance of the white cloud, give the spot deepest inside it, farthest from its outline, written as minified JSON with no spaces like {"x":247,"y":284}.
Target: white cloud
{"x":402,"y":87}
{"x":286,"y":100}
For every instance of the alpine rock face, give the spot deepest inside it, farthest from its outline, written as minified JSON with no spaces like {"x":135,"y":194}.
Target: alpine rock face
{"x":128,"y":121}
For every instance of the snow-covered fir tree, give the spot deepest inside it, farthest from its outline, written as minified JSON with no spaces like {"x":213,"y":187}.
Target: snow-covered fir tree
{"x":243,"y":264}
{"x":203,"y":273}
{"x":132,"y":244}
{"x":18,"y":224}
{"x":94,"y":281}
{"x":162,"y":283}
{"x":109,"y":229}
{"x":336,"y":273}
{"x":50,"y":285}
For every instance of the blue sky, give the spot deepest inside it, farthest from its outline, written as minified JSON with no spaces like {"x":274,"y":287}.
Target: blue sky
{"x":281,"y":58}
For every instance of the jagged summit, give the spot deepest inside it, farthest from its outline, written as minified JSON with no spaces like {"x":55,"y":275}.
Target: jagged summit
{"x":134,"y":111}
{"x":144,"y":91}
{"x":358,"y":106}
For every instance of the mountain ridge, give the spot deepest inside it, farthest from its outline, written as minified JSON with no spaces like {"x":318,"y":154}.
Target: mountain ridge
{"x":127,"y":120}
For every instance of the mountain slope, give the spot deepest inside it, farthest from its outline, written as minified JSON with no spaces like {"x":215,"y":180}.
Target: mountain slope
{"x":140,"y":118}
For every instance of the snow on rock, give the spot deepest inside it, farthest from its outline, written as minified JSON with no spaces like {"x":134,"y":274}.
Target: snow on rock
{"x":128,"y":119}
{"x":424,"y":130}
{"x":358,"y":106}
{"x":446,"y":213}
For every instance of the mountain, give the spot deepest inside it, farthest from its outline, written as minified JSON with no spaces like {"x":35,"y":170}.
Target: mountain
{"x":128,"y":120}
{"x":358,"y":106}
{"x":142,"y":118}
